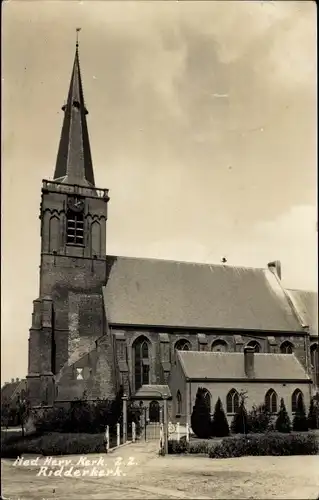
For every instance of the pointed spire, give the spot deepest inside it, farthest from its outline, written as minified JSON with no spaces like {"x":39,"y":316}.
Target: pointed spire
{"x":74,"y":161}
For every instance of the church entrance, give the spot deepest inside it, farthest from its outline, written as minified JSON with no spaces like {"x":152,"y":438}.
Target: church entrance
{"x":150,"y":420}
{"x":154,"y":411}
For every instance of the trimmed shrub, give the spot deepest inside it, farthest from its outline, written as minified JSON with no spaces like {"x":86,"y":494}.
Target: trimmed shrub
{"x":54,"y":444}
{"x":176,"y":447}
{"x":182,"y":447}
{"x":240,"y":423}
{"x":300,"y":423}
{"x":259,"y":419}
{"x":283,"y":423}
{"x":47,"y":419}
{"x":313,"y":415}
{"x":202,"y":447}
{"x":220,"y":427}
{"x":200,"y":419}
{"x":16,"y":437}
{"x":266,"y":444}
{"x":86,"y":417}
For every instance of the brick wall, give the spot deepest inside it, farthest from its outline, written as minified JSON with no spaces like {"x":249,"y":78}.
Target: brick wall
{"x":256,"y":392}
{"x":72,"y":277}
{"x":161,"y":347}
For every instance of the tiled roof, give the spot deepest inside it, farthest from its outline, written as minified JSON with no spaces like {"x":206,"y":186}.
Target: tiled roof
{"x":12,"y":388}
{"x":224,"y":365}
{"x":306,"y":303}
{"x":182,"y":294}
{"x":153,"y":392}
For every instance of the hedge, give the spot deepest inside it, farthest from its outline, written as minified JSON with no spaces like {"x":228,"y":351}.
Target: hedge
{"x":85,"y":417}
{"x":53,"y":444}
{"x":276,"y":444}
{"x":255,"y":445}
{"x":181,"y":447}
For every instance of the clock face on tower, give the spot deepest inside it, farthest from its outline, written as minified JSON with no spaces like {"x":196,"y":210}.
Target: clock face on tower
{"x":75,"y":204}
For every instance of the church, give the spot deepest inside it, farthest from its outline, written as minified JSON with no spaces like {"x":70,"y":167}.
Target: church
{"x":102,"y":322}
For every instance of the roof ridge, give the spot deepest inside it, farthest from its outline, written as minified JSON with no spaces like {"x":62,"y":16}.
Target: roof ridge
{"x":127,"y":257}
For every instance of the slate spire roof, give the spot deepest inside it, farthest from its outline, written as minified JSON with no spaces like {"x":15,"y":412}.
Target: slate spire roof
{"x":74,"y":161}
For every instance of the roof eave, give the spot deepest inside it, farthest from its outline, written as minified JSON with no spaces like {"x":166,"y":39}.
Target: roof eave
{"x":151,"y":397}
{"x":252,"y":380}
{"x":200,"y":329}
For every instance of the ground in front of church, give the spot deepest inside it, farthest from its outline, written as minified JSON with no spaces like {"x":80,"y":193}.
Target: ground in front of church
{"x":138,"y":472}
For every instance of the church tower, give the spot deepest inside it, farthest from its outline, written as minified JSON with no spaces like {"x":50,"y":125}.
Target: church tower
{"x":68,"y":317}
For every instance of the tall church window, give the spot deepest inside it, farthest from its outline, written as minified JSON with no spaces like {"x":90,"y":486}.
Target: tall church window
{"x":207,"y":398}
{"x":95,"y":238}
{"x":296,"y":395}
{"x":286,"y":348}
{"x":74,"y":228}
{"x":182,"y":345}
{"x":54,"y":234}
{"x":219,"y":346}
{"x":141,"y":362}
{"x":271,"y":401}
{"x":232,"y":401}
{"x":255,"y":345}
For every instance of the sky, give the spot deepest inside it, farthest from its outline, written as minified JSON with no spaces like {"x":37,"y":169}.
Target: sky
{"x":202,"y":119}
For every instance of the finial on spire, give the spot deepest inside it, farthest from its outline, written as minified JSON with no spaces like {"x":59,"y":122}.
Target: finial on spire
{"x":77,"y":36}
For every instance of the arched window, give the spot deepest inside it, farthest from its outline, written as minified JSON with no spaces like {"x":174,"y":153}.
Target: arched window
{"x":182,"y":345}
{"x":207,"y":398}
{"x":74,"y":228}
{"x":255,"y":345}
{"x":296,"y":395}
{"x":286,"y":348}
{"x":54,"y":234}
{"x":95,"y":239}
{"x":219,"y":346}
{"x":232,"y":401}
{"x":141,"y":362}
{"x":179,"y":403}
{"x":271,"y":401}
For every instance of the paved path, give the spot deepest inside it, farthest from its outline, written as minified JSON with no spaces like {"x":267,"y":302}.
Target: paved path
{"x":141,"y":473}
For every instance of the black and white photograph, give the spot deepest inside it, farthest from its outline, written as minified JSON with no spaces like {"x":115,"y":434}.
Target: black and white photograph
{"x":159,"y":250}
